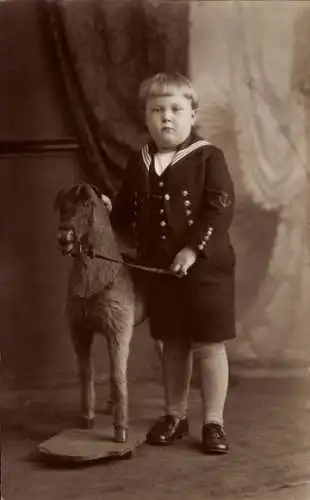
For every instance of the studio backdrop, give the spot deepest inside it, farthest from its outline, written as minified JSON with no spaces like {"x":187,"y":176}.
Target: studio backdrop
{"x":254,"y":103}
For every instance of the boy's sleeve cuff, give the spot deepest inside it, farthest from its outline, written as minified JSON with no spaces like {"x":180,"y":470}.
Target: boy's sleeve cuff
{"x":200,"y":244}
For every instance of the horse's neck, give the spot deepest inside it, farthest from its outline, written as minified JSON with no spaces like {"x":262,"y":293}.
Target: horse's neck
{"x":91,"y":275}
{"x":105,"y":242}
{"x":124,"y":247}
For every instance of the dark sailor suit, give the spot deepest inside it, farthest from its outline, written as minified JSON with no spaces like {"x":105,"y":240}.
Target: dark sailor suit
{"x":190,"y":204}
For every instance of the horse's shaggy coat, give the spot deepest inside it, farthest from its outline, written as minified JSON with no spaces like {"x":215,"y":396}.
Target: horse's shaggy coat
{"x":101,"y":297}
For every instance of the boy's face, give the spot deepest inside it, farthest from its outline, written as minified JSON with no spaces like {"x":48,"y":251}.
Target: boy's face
{"x":169,"y":119}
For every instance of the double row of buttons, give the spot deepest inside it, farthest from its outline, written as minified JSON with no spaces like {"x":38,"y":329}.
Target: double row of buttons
{"x":187,"y":205}
{"x":162,"y":222}
{"x":166,"y":195}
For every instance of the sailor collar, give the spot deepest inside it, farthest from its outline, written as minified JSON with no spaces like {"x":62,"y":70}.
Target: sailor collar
{"x":185,"y":149}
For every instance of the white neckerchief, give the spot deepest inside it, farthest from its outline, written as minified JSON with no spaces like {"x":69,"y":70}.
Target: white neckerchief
{"x":177,"y":156}
{"x":162,"y":160}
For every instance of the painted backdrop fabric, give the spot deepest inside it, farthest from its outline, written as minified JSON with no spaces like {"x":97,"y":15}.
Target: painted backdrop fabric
{"x":254,"y":104}
{"x":105,"y":49}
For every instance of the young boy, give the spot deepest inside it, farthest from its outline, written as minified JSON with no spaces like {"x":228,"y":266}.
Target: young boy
{"x":178,"y":199}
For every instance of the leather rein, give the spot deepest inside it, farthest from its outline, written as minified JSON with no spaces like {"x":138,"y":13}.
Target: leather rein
{"x":135,"y":266}
{"x":149,"y":269}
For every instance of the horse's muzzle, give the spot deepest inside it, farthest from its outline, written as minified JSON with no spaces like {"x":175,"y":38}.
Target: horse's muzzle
{"x":66,"y":240}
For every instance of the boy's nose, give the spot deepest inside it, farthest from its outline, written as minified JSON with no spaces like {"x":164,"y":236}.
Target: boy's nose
{"x":166,"y":116}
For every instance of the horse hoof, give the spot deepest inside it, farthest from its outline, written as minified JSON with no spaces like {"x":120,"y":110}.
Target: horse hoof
{"x":120,"y":434}
{"x":85,"y":423}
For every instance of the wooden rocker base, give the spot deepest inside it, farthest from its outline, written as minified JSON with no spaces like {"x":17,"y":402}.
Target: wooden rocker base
{"x":78,"y":446}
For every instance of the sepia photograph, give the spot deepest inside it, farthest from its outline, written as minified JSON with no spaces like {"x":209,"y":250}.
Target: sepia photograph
{"x":155,"y":249}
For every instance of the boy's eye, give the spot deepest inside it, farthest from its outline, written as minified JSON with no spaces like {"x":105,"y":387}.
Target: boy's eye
{"x":174,"y":109}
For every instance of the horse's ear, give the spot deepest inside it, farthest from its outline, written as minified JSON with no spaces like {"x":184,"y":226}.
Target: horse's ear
{"x":96,"y":195}
{"x":102,"y":197}
{"x":89,"y":193}
{"x":84,"y":193}
{"x":81,"y":193}
{"x":96,"y":190}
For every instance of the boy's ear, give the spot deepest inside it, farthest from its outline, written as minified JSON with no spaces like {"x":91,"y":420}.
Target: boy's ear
{"x":194,"y":116}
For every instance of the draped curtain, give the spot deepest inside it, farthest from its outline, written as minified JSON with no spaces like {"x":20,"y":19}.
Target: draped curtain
{"x":272,"y":131}
{"x":255,"y":104}
{"x":105,"y":49}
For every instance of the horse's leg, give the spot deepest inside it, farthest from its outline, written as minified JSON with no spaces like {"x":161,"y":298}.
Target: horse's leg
{"x":109,"y":405}
{"x":159,"y":349}
{"x":82,"y":342}
{"x":119,"y":345}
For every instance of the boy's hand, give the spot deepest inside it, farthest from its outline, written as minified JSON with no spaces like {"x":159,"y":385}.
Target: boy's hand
{"x":107,"y":201}
{"x":183,"y":261}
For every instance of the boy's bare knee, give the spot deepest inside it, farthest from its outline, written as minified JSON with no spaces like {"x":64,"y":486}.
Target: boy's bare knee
{"x":204,"y":350}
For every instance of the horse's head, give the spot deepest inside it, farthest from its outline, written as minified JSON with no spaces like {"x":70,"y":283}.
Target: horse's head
{"x":76,"y":208}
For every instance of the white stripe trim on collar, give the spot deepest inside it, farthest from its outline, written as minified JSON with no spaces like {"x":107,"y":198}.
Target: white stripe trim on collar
{"x":189,"y":149}
{"x":147,"y":159}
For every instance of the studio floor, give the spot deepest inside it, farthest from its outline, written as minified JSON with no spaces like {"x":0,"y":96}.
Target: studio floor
{"x":267,"y":421}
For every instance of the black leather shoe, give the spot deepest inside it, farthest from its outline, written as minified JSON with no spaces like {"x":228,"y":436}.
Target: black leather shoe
{"x":167,"y":429}
{"x":214,"y":441}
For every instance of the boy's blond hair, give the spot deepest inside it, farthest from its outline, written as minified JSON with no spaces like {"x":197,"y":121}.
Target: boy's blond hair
{"x":165,"y":84}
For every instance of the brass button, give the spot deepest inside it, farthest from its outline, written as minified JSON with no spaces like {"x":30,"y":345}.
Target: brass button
{"x":188,"y":212}
{"x":187,"y":203}
{"x":200,"y":247}
{"x":164,"y":237}
{"x":190,"y":222}
{"x":167,"y":196}
{"x":184,"y":193}
{"x":161,"y":184}
{"x":161,"y":211}
{"x":224,"y":200}
{"x":163,"y":223}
